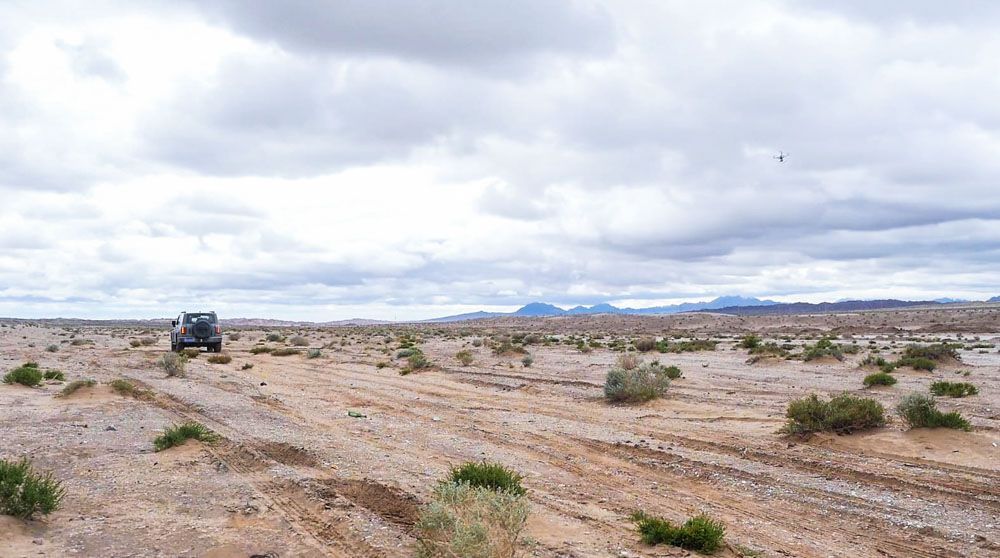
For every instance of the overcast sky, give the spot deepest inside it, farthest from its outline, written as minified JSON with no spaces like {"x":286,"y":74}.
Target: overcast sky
{"x":321,"y":160}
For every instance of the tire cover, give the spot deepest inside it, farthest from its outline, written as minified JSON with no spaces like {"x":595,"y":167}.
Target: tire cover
{"x":202,"y":329}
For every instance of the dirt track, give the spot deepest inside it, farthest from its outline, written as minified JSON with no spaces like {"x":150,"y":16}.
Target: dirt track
{"x":297,"y":476}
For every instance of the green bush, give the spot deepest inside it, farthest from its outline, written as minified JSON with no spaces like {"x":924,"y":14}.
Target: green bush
{"x":147,"y":341}
{"x":493,"y":476}
{"x":52,"y":348}
{"x":879,"y":379}
{"x":173,"y":364}
{"x":54,"y":375}
{"x":260,"y":349}
{"x":920,"y":411}
{"x":917,"y":363}
{"x":134,"y":343}
{"x":937,"y":351}
{"x":179,"y":433}
{"x":285,"y":351}
{"x":700,"y":533}
{"x":471,"y":522}
{"x":72,"y":387}
{"x":275,"y":337}
{"x":824,"y":347}
{"x":191,"y":352}
{"x":843,"y":414}
{"x":24,"y":492}
{"x":416,"y":362}
{"x":527,"y":361}
{"x":691,"y":346}
{"x":464,"y":357}
{"x":407,"y":352}
{"x":749,"y":341}
{"x":673,"y":372}
{"x":299,"y":341}
{"x":314,"y":353}
{"x":953,"y":389}
{"x":644,"y":382}
{"x":27,"y":374}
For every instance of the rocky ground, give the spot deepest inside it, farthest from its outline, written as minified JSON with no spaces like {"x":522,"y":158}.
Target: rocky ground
{"x":295,"y":475}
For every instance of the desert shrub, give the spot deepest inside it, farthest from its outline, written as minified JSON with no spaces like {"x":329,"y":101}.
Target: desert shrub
{"x":260,"y":349}
{"x":25,"y":492}
{"x":299,"y":341}
{"x":937,"y":351}
{"x":285,"y":351}
{"x":506,"y":347}
{"x":173,"y":364}
{"x":700,"y":533}
{"x":54,"y":375}
{"x":642,"y":383}
{"x":493,"y":476}
{"x":121,"y":386}
{"x":824,"y":347}
{"x":469,"y":521}
{"x":645,"y":344}
{"x":691,"y":346}
{"x":464,"y":357}
{"x":416,"y":362}
{"x":235,"y":336}
{"x":673,"y":372}
{"x":52,"y":348}
{"x":527,"y":361}
{"x":873,"y":360}
{"x":749,"y":341}
{"x":381,"y":364}
{"x":920,"y":411}
{"x":191,"y":352}
{"x":628,"y":361}
{"x":477,"y":342}
{"x":179,"y":433}
{"x":221,"y":358}
{"x":72,"y":387}
{"x":953,"y":389}
{"x":843,"y":414}
{"x":246,"y":366}
{"x":917,"y":363}
{"x":27,"y":374}
{"x":147,"y":341}
{"x":79,"y":342}
{"x":134,"y":343}
{"x":879,"y":379}
{"x":407,"y":352}
{"x":314,"y":353}
{"x":275,"y":337}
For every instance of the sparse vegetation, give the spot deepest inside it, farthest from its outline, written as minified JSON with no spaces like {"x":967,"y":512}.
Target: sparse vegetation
{"x":134,"y":343}
{"x":953,"y":389}
{"x":235,"y":336}
{"x":191,"y":352}
{"x":917,"y":363}
{"x":147,"y":341}
{"x":299,"y":341}
{"x":527,"y":361}
{"x":25,"y":493}
{"x":415,"y":361}
{"x":221,"y":358}
{"x":52,"y":348}
{"x":275,"y":337}
{"x":261,"y":349}
{"x":823,"y":348}
{"x":464,"y":357}
{"x":645,"y":344}
{"x":246,"y":366}
{"x":121,"y":386}
{"x":27,"y":374}
{"x":937,"y":351}
{"x":173,"y":364}
{"x":179,"y":433}
{"x":691,"y":346}
{"x":843,"y":414}
{"x":920,"y":411}
{"x":54,"y":375}
{"x":75,"y":385}
{"x":636,"y":385}
{"x":314,"y":353}
{"x":700,"y":533}
{"x":285,"y":351}
{"x":879,"y":379}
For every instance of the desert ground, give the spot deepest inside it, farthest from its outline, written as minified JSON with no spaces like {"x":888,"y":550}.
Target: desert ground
{"x":295,"y":475}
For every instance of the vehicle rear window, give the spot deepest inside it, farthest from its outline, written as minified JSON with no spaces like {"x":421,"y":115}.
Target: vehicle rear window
{"x":192,"y":318}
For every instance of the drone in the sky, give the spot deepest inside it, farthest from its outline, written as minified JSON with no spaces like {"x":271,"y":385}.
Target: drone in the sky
{"x":781,"y":156}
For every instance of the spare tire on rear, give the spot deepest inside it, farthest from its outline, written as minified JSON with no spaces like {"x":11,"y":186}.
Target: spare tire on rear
{"x":202,"y":329}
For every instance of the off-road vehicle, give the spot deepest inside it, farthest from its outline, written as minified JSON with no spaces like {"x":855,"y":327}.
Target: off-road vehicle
{"x":196,"y":329}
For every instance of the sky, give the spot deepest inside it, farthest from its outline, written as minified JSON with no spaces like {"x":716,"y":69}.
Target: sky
{"x":322,"y":160}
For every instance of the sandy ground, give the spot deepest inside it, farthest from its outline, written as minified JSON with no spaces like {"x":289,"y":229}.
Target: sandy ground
{"x":294,"y":475}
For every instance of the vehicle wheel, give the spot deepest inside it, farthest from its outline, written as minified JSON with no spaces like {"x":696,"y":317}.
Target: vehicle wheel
{"x":217,"y":347}
{"x":173,"y":346}
{"x":179,"y":347}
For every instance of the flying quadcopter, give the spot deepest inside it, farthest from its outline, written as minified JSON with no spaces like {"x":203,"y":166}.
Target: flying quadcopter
{"x":781,"y":156}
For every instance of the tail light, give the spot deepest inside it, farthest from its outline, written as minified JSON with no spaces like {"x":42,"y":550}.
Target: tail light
{"x":218,"y":328}
{"x":184,"y":330}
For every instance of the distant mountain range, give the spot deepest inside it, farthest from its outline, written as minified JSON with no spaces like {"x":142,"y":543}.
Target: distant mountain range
{"x":541,"y":309}
{"x":737,"y":305}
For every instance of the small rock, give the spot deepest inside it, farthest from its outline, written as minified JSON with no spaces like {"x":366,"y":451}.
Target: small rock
{"x":38,"y":541}
{"x":263,"y":383}
{"x":110,"y":428}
